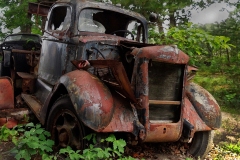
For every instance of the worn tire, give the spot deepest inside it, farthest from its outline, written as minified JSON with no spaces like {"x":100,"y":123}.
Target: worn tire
{"x":201,"y":144}
{"x":65,"y":127}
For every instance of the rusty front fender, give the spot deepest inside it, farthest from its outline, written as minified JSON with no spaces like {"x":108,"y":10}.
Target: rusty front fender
{"x":205,"y":105}
{"x":91,"y":99}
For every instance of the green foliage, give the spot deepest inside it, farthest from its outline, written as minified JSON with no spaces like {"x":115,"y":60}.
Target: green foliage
{"x":175,"y":12}
{"x":95,"y":152}
{"x":7,"y":134}
{"x":197,"y":43}
{"x":33,"y":141}
{"x":220,"y":86}
{"x":14,"y":16}
{"x":36,"y":30}
{"x":225,"y":63}
{"x":233,"y":147}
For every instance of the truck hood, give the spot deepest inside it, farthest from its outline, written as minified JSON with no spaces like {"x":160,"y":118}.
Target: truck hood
{"x":163,"y":53}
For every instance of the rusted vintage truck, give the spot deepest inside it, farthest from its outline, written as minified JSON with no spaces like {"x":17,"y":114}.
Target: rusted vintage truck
{"x":97,"y":73}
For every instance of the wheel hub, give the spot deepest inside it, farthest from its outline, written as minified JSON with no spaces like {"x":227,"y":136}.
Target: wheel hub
{"x":63,"y":138}
{"x":66,"y":131}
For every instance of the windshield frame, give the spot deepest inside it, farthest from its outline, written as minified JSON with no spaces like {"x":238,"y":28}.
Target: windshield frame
{"x":128,"y":18}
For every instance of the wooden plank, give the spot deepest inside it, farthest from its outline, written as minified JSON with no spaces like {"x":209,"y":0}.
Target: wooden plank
{"x":164,"y":102}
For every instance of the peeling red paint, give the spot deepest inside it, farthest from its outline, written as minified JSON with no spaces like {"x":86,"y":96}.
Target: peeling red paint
{"x":190,"y":114}
{"x":91,"y":99}
{"x":204,"y":104}
{"x":164,"y":132}
{"x":8,"y":122}
{"x":169,"y":54}
{"x":6,"y":93}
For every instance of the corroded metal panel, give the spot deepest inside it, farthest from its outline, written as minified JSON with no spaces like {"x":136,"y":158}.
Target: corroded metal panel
{"x":123,"y":117}
{"x":119,"y":74}
{"x":8,"y":122}
{"x":28,"y":82}
{"x":91,"y":99}
{"x":53,"y":61}
{"x":39,"y":9}
{"x":164,"y":53}
{"x":97,"y":37}
{"x":204,"y":104}
{"x":164,"y":132}
{"x":190,"y":115}
{"x":6,"y":93}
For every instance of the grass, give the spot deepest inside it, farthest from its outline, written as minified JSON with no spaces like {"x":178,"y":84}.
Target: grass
{"x":222,"y":88}
{"x":234,"y":111}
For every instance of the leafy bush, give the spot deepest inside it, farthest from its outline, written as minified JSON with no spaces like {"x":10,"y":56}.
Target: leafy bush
{"x":32,"y":140}
{"x":235,"y":148}
{"x":7,"y":134}
{"x":223,"y":86}
{"x":195,"y":42}
{"x":95,"y":152}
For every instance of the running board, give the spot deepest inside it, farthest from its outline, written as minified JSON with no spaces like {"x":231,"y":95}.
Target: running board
{"x":33,"y":103}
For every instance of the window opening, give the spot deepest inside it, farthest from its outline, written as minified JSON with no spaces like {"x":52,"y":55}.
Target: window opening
{"x":135,"y":28}
{"x":61,"y":18}
{"x":86,"y":22}
{"x":110,"y":22}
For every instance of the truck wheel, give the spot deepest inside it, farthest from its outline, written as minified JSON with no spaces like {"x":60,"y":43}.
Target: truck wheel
{"x":201,"y":144}
{"x":65,"y":128}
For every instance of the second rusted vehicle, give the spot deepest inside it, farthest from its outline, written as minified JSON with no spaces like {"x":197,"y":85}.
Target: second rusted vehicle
{"x":97,"y":73}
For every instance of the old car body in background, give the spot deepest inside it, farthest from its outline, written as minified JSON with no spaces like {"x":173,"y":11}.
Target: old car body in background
{"x":22,"y":41}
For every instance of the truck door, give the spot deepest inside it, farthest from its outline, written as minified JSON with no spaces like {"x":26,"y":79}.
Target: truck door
{"x":57,"y":50}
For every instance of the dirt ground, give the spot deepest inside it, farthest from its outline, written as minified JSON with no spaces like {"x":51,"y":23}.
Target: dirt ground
{"x":229,"y":132}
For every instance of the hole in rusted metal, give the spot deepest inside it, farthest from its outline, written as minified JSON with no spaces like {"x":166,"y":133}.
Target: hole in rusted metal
{"x":164,"y":130}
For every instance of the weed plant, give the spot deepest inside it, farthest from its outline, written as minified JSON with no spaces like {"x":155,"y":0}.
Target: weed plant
{"x":33,"y":141}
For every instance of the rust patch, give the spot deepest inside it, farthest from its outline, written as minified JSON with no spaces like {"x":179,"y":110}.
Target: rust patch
{"x":39,"y":8}
{"x":164,"y":132}
{"x":91,"y":98}
{"x":169,"y":54}
{"x":190,"y":114}
{"x":8,"y":122}
{"x":204,"y":104}
{"x":6,"y":93}
{"x":120,"y":81}
{"x":28,"y":82}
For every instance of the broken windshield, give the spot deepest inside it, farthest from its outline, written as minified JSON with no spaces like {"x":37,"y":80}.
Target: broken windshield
{"x":86,"y":22}
{"x":110,"y":22}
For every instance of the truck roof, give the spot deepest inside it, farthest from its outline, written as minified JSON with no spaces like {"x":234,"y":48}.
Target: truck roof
{"x":101,"y":5}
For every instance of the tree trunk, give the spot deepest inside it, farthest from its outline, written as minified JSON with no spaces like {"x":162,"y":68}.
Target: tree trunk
{"x":172,"y":19}
{"x":228,"y":57}
{"x":26,"y":28}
